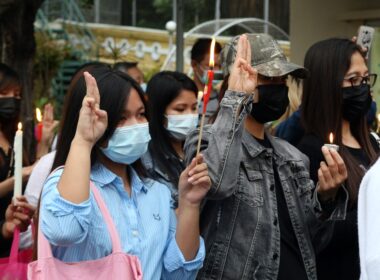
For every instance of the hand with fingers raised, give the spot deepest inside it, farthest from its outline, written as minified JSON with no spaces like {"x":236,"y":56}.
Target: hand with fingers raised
{"x":355,"y":40}
{"x":92,"y":121}
{"x":331,"y":175}
{"x":49,"y":124}
{"x":243,"y":77}
{"x":194,"y":182}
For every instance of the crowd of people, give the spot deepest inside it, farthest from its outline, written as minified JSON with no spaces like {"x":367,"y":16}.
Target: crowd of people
{"x":264,"y":199}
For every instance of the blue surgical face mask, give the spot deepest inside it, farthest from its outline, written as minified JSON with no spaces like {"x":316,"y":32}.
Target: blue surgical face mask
{"x":179,"y":126}
{"x":203,"y":78}
{"x":143,"y":86}
{"x":128,"y":143}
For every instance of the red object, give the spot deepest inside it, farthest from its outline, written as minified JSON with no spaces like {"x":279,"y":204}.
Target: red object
{"x":207,"y":89}
{"x":15,"y":266}
{"x":38,"y":131}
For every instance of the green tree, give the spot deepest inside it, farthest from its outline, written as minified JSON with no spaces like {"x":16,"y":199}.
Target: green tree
{"x":17,"y":49}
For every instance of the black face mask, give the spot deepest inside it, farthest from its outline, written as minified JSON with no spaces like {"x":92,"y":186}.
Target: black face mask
{"x":273,"y":101}
{"x":356,"y":102}
{"x":9,"y":107}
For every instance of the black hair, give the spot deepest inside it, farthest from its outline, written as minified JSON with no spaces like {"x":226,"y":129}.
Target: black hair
{"x":162,"y":89}
{"x":87,"y":66}
{"x":124,"y":65}
{"x":114,"y":88}
{"x":321,"y":109}
{"x":9,"y":80}
{"x":202,"y":47}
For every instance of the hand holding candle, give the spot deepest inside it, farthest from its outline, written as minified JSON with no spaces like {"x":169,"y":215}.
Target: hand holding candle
{"x":206,"y":92}
{"x":332,"y":146}
{"x":378,"y":123}
{"x":17,"y":147}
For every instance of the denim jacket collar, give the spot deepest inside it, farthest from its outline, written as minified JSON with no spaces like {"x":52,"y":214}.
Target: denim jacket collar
{"x":254,"y":148}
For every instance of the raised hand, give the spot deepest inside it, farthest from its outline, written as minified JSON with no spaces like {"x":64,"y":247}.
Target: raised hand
{"x":355,"y":40}
{"x":49,"y":124}
{"x":194,"y":182}
{"x":92,"y":120}
{"x":243,"y":77}
{"x":331,"y":175}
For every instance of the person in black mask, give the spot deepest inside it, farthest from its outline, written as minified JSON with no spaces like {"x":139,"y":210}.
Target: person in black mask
{"x":20,"y":213}
{"x":263,"y":210}
{"x":336,"y":99}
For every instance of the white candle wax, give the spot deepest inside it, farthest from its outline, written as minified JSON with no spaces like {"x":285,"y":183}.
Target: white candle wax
{"x":200,"y":96}
{"x":332,"y":147}
{"x":17,"y":147}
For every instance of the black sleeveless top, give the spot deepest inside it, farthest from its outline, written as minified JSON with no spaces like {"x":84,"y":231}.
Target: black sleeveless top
{"x":6,"y":171}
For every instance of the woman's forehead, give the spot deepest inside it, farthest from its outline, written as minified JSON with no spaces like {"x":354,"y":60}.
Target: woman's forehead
{"x":134,"y":102}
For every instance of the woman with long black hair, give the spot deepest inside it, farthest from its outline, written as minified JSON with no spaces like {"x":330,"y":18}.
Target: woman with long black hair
{"x":11,"y":215}
{"x":336,"y":98}
{"x":172,"y":103}
{"x":102,"y":142}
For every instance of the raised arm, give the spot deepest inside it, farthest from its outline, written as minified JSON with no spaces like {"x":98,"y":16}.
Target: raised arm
{"x":74,"y":184}
{"x":221,"y":143}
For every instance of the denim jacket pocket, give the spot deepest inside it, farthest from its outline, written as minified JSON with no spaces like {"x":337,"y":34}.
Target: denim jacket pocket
{"x":304,"y":184}
{"x":301,"y":178}
{"x":249,"y":189}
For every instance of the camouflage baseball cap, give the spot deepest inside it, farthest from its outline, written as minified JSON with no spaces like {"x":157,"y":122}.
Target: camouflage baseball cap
{"x":267,"y":57}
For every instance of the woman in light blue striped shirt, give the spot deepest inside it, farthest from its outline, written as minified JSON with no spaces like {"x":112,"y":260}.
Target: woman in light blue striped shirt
{"x":104,"y":134}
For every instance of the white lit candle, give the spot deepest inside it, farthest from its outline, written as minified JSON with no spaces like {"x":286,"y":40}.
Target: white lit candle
{"x":332,"y":146}
{"x":200,"y":96}
{"x":17,"y":147}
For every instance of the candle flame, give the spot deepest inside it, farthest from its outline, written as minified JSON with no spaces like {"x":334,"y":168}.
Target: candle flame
{"x":331,"y":137}
{"x":19,"y":126}
{"x":212,"y":53}
{"x":38,"y":115}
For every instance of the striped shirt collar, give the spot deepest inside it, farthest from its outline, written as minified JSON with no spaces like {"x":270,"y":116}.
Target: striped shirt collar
{"x":103,"y":177}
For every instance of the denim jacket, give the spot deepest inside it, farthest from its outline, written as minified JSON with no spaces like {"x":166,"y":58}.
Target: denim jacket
{"x":161,"y":176}
{"x":239,"y":216}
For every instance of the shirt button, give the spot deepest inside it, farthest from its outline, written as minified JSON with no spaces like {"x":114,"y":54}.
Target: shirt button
{"x":275,"y":256}
{"x":275,"y":221}
{"x":272,"y":187}
{"x":135,"y":233}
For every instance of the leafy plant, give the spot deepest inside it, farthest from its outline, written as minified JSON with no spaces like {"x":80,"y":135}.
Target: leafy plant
{"x":86,"y":3}
{"x":49,"y":56}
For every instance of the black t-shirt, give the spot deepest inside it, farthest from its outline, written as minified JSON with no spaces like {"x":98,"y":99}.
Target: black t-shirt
{"x":340,"y":259}
{"x":5,"y":172}
{"x":291,"y":263}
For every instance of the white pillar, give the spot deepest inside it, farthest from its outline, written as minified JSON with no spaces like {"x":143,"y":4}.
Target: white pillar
{"x":174,"y":11}
{"x":97,"y":10}
{"x":217,"y":14}
{"x":134,"y":11}
{"x":266,"y":15}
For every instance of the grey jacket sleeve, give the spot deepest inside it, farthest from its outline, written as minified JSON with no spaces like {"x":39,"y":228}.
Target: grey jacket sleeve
{"x":221,"y":144}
